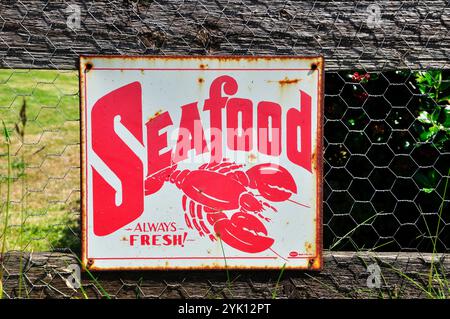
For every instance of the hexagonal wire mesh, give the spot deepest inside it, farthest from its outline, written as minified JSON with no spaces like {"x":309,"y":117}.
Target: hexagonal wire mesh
{"x":386,"y":152}
{"x":383,"y":184}
{"x":384,"y":177}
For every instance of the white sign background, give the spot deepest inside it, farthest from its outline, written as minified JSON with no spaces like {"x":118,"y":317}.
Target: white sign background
{"x":169,"y":83}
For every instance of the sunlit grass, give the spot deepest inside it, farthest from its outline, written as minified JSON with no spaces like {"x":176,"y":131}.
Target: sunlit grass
{"x":44,"y":215}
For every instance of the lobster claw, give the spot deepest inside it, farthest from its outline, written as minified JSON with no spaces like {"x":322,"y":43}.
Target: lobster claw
{"x":273,"y":181}
{"x":242,"y":231}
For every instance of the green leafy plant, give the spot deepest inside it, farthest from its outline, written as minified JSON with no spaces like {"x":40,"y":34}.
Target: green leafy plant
{"x":433,"y":120}
{"x":427,"y":180}
{"x":434,"y":115}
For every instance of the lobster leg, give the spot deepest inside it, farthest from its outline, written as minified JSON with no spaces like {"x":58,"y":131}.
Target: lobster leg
{"x":221,"y":166}
{"x":267,"y":219}
{"x":199,"y":223}
{"x":188,"y":222}
{"x":186,"y":216}
{"x":269,"y":206}
{"x":183,"y":202}
{"x":202,"y":223}
{"x":258,"y":213}
{"x":192,"y":209}
{"x":200,"y":219}
{"x":194,"y":219}
{"x":211,"y":166}
{"x":230,"y":168}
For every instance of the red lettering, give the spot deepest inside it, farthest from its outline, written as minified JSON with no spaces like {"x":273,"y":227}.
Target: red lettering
{"x":132,"y":239}
{"x":190,"y":127}
{"x":156,"y":142}
{"x":116,"y":207}
{"x":269,"y":136}
{"x":240,"y":137}
{"x":167,"y":240}
{"x":300,"y":120}
{"x":118,"y":186}
{"x":214,"y":104}
{"x":155,"y":240}
{"x":145,"y":240}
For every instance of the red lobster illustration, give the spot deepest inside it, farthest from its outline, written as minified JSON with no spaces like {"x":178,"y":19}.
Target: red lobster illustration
{"x":221,"y":193}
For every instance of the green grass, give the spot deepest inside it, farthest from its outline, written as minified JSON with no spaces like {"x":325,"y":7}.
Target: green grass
{"x":45,"y":183}
{"x":277,"y":284}
{"x":8,"y":194}
{"x":52,"y":97}
{"x":434,"y":284}
{"x":49,"y":231}
{"x":437,"y":285}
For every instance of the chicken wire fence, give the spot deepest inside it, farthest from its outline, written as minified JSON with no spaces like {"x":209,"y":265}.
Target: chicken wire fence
{"x":386,"y":128}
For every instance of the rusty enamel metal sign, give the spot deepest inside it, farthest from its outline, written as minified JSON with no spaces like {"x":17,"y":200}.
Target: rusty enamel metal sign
{"x":201,"y":162}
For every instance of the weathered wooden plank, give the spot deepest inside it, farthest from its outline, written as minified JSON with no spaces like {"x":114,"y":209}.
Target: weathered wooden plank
{"x":344,"y":276}
{"x":411,"y":34}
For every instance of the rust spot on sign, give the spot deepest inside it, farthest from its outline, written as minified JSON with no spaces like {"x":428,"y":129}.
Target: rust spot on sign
{"x":157,"y":113}
{"x":314,"y":67}
{"x":314,"y":160}
{"x":89,"y":66}
{"x":308,"y":247}
{"x":203,"y":66}
{"x":90,"y":263}
{"x":201,"y":80}
{"x":287,"y":81}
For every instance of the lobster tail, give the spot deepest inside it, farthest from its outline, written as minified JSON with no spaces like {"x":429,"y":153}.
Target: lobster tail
{"x":177,"y":177}
{"x":155,"y":182}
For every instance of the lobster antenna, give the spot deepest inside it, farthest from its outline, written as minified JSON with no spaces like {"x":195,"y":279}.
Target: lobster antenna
{"x":277,"y":254}
{"x":299,"y":204}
